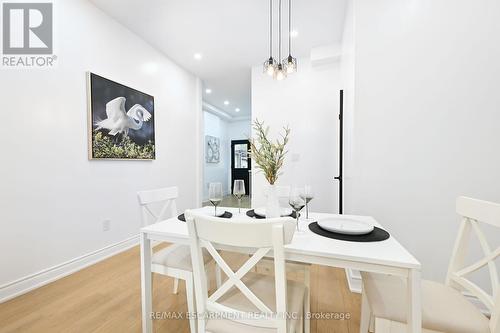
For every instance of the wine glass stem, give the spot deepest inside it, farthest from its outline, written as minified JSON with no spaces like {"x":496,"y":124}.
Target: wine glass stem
{"x":215,"y":208}
{"x":297,"y":214}
{"x":239,"y":206}
{"x":307,"y":210}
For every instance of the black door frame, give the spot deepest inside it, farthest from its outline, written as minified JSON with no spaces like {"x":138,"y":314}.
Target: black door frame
{"x":248,"y":185}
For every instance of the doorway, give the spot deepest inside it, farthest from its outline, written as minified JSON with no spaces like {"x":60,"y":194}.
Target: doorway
{"x":229,"y":137}
{"x":241,"y":166}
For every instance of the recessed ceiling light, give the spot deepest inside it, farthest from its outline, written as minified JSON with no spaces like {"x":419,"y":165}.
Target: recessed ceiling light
{"x":237,"y":109}
{"x":208,"y":91}
{"x":198,"y":56}
{"x":226,"y":102}
{"x":294,"y":33}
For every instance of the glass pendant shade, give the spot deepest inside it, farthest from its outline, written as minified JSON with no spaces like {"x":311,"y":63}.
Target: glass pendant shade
{"x":270,"y":66}
{"x":280,"y":72}
{"x":290,"y":64}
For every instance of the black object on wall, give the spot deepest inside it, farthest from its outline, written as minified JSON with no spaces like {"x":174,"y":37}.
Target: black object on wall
{"x":341,"y":150}
{"x":241,"y":164}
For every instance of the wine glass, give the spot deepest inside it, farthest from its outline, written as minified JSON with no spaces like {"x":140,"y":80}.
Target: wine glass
{"x":307,"y":194}
{"x":239,"y":192}
{"x":215,"y":194}
{"x":297,"y":203}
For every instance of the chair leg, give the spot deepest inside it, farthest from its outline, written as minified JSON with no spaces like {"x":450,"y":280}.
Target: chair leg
{"x":191,"y":304}
{"x":371,"y":328}
{"x":176,"y":286}
{"x":307,"y":301}
{"x":207,"y":280}
{"x":301,"y":327}
{"x":366,"y":314}
{"x":218,"y":276}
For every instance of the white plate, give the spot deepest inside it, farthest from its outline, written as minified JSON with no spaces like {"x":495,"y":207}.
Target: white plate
{"x":209,"y":210}
{"x":283,"y":211}
{"x":345,"y":225}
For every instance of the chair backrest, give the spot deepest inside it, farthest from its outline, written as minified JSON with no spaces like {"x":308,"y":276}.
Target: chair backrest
{"x":259,"y":236}
{"x":157,"y":205}
{"x":474,"y":212}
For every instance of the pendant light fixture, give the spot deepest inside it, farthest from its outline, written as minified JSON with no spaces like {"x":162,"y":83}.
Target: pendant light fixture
{"x":270,"y":64}
{"x":280,"y":71}
{"x":280,"y":68}
{"x":290,"y":62}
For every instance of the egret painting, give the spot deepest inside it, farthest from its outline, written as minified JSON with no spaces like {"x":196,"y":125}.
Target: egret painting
{"x":121,"y":121}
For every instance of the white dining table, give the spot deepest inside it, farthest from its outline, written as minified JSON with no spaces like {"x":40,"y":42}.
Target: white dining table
{"x":386,"y":257}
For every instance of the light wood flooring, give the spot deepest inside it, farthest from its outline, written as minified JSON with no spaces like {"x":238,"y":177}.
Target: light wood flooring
{"x":106,"y":297}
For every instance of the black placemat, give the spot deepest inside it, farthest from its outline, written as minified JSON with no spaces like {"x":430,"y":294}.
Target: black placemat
{"x":227,"y":215}
{"x":251,"y":213}
{"x":376,"y":235}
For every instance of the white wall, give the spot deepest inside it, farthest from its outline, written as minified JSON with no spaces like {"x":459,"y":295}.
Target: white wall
{"x":216,"y":172}
{"x":239,"y":130}
{"x":347,"y":71}
{"x":53,"y":199}
{"x":308,"y":102}
{"x":427,"y":121}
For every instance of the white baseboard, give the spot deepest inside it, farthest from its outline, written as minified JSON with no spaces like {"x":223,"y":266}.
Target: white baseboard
{"x":353,"y":280}
{"x":43,"y":277}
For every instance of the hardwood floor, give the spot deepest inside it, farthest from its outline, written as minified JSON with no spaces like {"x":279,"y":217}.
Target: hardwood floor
{"x":106,"y":298}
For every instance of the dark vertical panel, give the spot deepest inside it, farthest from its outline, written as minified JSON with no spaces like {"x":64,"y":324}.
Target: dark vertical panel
{"x":341,"y":150}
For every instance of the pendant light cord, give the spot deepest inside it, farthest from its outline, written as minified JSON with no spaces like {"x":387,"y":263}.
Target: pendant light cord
{"x":289,"y":27}
{"x":270,"y":29}
{"x":279,"y":21}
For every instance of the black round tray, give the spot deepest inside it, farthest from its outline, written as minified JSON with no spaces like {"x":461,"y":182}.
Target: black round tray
{"x":376,"y":235}
{"x":251,"y":213}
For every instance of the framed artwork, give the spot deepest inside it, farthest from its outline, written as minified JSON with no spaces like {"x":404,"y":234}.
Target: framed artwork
{"x":121,"y":121}
{"x":212,"y":149}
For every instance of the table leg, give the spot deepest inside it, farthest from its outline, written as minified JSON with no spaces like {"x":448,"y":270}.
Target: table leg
{"x":146,"y":290}
{"x":414,"y":302}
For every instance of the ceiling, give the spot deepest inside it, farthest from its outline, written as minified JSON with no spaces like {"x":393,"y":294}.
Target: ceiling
{"x":231,"y":36}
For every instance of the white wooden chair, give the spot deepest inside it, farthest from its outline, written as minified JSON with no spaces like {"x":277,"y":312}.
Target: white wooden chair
{"x":444,"y":308}
{"x":174,"y":260}
{"x":246,"y":302}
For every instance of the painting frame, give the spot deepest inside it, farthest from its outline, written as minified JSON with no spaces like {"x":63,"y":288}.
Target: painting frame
{"x":91,"y":124}
{"x":210,"y":143}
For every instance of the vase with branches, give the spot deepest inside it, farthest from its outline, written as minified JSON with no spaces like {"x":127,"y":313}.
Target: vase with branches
{"x":269,"y":156}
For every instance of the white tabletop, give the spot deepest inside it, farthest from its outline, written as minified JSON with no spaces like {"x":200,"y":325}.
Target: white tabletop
{"x":388,"y":252}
